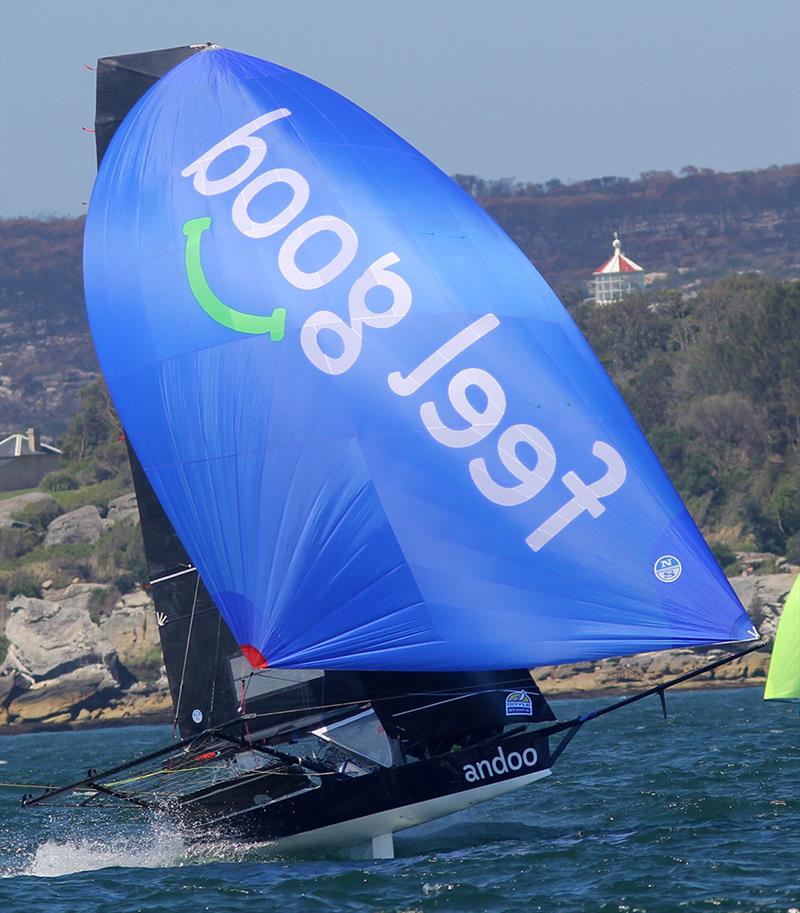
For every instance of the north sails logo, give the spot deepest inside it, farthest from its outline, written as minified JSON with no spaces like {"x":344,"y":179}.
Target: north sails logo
{"x":501,"y":763}
{"x":667,"y":568}
{"x":519,"y":703}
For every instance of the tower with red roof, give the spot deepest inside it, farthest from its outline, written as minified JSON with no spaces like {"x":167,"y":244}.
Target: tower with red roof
{"x":617,"y":277}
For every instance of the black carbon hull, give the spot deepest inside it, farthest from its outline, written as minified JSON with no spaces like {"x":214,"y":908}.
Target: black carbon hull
{"x":340,"y":809}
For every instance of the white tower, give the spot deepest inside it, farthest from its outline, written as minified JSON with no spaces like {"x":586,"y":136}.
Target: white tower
{"x":617,"y":277}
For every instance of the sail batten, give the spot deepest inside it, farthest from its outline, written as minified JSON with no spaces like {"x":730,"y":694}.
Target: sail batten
{"x":379,"y":436}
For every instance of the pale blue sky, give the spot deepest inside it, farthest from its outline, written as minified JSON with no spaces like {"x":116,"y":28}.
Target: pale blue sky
{"x":532,"y":90}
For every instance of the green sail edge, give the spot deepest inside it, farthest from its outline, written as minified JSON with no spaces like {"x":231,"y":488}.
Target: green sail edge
{"x":783,"y":679}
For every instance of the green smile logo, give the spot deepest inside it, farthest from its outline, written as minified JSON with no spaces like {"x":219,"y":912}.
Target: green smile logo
{"x":229,"y":317}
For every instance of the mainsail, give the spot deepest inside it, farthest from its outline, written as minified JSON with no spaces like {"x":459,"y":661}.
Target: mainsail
{"x":783,"y":679}
{"x":379,"y":436}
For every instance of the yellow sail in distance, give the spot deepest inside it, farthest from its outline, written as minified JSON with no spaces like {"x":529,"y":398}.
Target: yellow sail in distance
{"x":783,"y":680}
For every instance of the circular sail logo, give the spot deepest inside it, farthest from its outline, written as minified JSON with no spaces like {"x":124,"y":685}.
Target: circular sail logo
{"x":667,"y":568}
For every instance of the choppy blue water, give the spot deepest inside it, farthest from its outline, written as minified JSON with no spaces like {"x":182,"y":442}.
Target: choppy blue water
{"x":641,"y":815}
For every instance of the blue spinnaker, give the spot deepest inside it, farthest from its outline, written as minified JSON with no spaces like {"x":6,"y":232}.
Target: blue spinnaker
{"x":378,"y":434}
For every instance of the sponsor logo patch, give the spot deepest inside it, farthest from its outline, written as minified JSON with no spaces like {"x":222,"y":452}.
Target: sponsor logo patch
{"x":519,"y":703}
{"x":667,"y":568}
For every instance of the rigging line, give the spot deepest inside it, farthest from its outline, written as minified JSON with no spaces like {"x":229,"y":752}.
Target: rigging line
{"x":259,"y":773}
{"x":185,"y":658}
{"x":177,"y":618}
{"x":243,"y":706}
{"x":216,"y":663}
{"x":165,"y":771}
{"x":25,"y":786}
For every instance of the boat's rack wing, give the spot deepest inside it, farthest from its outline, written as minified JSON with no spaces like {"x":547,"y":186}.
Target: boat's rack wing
{"x":164,"y":778}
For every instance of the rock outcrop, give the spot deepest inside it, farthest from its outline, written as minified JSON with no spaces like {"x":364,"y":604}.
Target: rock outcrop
{"x":48,"y":639}
{"x":62,"y":667}
{"x":59,"y":699}
{"x":123,"y":508}
{"x":82,"y":525}
{"x":132,"y":629}
{"x":763,"y":596}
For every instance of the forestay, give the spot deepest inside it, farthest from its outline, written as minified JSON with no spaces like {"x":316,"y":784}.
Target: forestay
{"x":378,"y":434}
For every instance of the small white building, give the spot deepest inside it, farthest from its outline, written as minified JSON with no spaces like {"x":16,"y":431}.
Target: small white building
{"x":617,"y":277}
{"x":25,"y":459}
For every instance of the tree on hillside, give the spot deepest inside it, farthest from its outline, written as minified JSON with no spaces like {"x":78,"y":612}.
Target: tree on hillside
{"x":714,"y":381}
{"x":95,"y":424}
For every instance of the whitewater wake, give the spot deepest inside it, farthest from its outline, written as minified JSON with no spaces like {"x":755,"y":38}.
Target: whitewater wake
{"x":154,"y":847}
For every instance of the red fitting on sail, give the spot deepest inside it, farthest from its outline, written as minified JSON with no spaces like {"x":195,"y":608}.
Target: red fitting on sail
{"x":254,"y":656}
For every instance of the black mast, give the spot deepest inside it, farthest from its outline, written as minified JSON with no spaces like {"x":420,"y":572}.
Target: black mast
{"x":121,"y":81}
{"x":209,"y":679}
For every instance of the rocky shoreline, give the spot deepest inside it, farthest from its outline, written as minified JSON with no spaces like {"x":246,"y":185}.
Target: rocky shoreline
{"x":66,"y":666}
{"x":69,"y":667}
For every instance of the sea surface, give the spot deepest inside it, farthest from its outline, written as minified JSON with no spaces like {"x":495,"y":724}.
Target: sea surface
{"x":697,"y":812}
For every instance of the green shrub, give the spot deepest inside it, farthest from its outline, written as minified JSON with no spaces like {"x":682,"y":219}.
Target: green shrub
{"x":93,"y":425}
{"x":119,"y":555}
{"x":15,"y":542}
{"x":4,"y":645}
{"x":764,"y":525}
{"x":768,"y":566}
{"x":40,"y":514}
{"x":110,"y":461}
{"x":101,"y":602}
{"x":785,"y":503}
{"x":59,"y":480}
{"x":689,"y":467}
{"x":793,"y":549}
{"x":98,"y":494}
{"x":23,"y":583}
{"x":126,"y":581}
{"x":69,"y":565}
{"x":61,"y":563}
{"x":726,"y":557}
